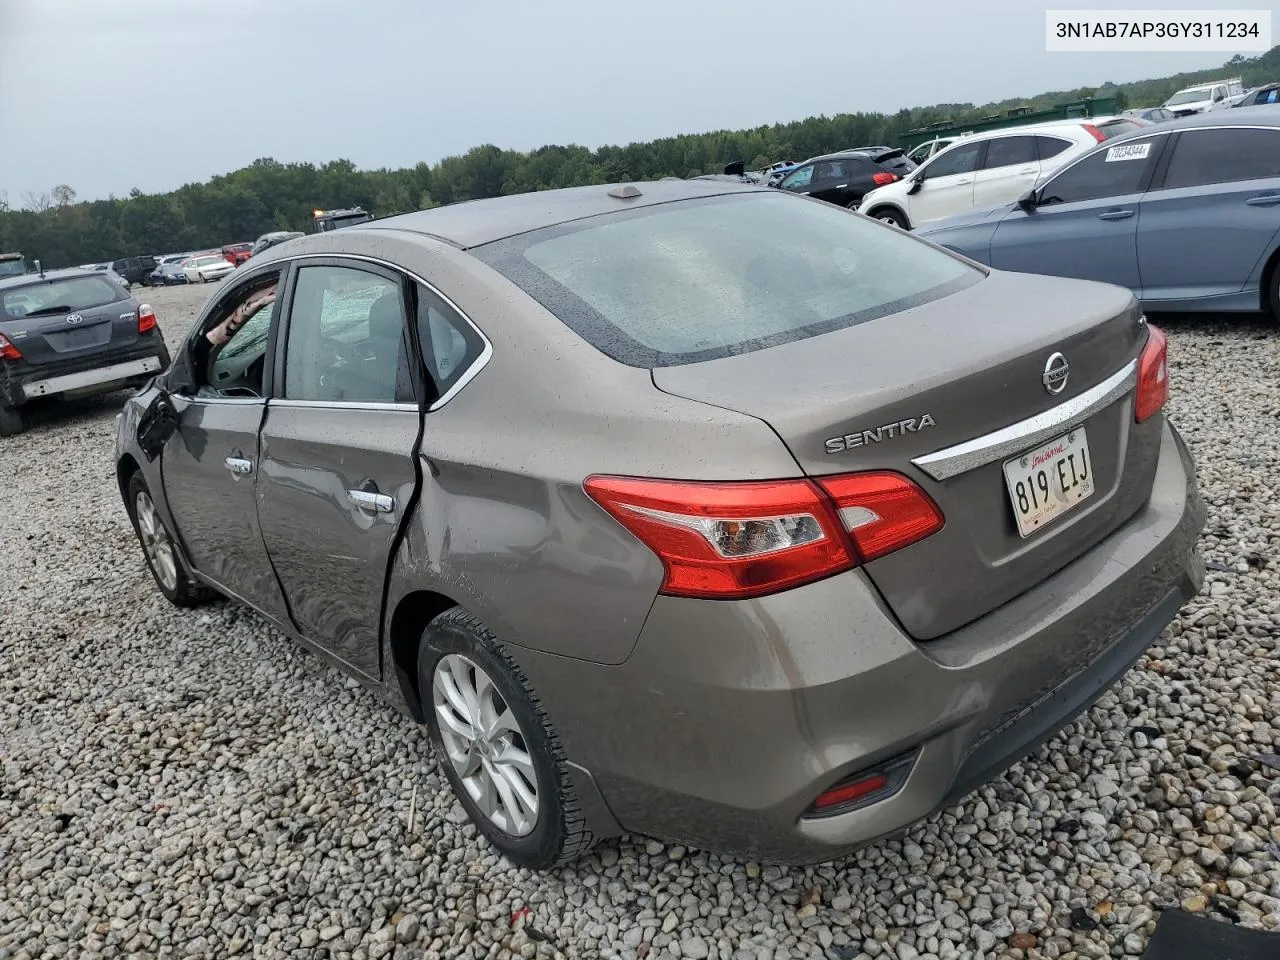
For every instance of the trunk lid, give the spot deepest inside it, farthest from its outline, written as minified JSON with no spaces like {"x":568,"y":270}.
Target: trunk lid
{"x":103,"y":318}
{"x":882,"y":394}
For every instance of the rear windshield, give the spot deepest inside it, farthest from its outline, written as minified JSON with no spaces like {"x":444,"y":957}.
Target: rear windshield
{"x":1117,"y":127}
{"x":60,"y":296}
{"x":701,"y":279}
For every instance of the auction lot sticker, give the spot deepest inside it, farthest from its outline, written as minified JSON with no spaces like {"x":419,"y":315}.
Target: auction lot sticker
{"x":1137,"y":31}
{"x":1129,"y":151}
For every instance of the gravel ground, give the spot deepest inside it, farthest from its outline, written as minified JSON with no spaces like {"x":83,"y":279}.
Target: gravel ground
{"x":192,"y":784}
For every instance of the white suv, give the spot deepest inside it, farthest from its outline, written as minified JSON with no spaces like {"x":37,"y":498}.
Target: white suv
{"x":986,"y":169}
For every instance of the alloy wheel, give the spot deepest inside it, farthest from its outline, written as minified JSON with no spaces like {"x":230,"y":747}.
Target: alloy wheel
{"x":485,"y":744}
{"x":155,"y":542}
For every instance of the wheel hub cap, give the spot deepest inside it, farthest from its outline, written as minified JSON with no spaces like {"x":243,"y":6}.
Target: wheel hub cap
{"x":485,"y":745}
{"x":156,"y":543}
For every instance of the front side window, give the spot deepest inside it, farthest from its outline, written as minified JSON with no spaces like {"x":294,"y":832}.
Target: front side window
{"x":236,"y":367}
{"x":701,"y":279}
{"x":798,"y":179}
{"x":961,"y":159}
{"x":60,"y":296}
{"x":346,"y":340}
{"x":1202,"y":157}
{"x":1115,"y":171}
{"x":1008,"y":151}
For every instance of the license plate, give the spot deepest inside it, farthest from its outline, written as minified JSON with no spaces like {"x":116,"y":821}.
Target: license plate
{"x":1046,"y":482}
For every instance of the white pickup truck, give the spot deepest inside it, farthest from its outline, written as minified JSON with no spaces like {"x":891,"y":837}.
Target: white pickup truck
{"x":1204,"y":97}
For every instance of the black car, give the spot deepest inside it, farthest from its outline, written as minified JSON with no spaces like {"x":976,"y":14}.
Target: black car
{"x":135,"y":269}
{"x":893,"y":159}
{"x":71,"y":333}
{"x":840,"y":178}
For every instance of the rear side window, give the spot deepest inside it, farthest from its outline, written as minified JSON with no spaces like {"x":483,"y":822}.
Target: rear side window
{"x":798,"y":179}
{"x":60,"y":296}
{"x":1203,"y":157}
{"x":1051,"y":146}
{"x":1109,"y":172}
{"x":449,"y":344}
{"x":700,"y":279}
{"x":1007,"y":151}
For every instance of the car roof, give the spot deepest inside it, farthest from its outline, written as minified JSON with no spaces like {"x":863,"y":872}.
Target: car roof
{"x":1260,"y":115}
{"x":473,"y":223}
{"x":9,"y":283}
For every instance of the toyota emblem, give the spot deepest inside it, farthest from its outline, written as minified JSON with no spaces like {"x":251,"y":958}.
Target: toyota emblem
{"x":74,"y":318}
{"x":1056,"y":371}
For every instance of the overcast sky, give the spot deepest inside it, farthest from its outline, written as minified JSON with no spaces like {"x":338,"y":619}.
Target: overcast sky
{"x":107,"y":96}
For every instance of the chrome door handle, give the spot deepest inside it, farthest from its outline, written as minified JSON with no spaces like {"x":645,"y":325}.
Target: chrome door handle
{"x":377,"y":502}
{"x":964,"y":183}
{"x":841,"y":186}
{"x":239,"y":466}
{"x":1266,"y":200}
{"x":1116,"y":215}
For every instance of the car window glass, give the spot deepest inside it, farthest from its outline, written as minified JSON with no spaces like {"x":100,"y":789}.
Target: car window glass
{"x":830,"y":170}
{"x":236,"y":369}
{"x":346,"y":338}
{"x":962,"y":159}
{"x":798,"y":179}
{"x":1007,"y":151}
{"x":60,"y":296}
{"x":449,"y":344}
{"x":1223,"y":156}
{"x":1051,"y":146}
{"x":1111,"y":172}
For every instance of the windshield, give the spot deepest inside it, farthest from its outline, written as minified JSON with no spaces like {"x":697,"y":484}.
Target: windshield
{"x":12,"y":268}
{"x":1194,"y":95}
{"x":696,"y":280}
{"x":60,"y":296}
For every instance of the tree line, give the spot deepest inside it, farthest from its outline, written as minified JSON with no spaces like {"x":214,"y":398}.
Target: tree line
{"x":269,"y":195}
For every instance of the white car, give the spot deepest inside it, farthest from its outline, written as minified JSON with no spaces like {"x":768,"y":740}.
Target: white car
{"x":207,"y":268}
{"x":989,"y":168}
{"x":922,"y":152}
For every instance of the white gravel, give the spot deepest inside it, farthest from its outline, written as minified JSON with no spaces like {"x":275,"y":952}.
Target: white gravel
{"x":191,"y":784}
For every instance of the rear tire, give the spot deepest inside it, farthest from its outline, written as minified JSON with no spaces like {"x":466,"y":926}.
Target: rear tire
{"x":497,"y":747}
{"x":10,"y":421}
{"x":162,"y":556}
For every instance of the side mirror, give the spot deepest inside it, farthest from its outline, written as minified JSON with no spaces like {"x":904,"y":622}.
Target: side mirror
{"x":916,"y":183}
{"x":180,"y":380}
{"x":1028,"y":201}
{"x":156,"y":425}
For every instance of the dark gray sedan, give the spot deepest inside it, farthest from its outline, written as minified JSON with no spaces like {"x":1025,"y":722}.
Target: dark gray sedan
{"x":1185,"y":214}
{"x":688,"y":508}
{"x":68,"y":333}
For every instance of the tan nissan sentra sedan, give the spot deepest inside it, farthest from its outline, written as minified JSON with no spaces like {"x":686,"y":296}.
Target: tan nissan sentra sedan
{"x":684,"y":508}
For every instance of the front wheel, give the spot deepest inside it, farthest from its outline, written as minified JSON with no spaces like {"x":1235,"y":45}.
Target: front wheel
{"x":889,"y":215}
{"x":497,"y":746}
{"x":166,"y":566}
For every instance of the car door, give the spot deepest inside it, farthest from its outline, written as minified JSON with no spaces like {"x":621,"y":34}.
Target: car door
{"x":830,"y":181}
{"x":944,"y":186}
{"x":1084,"y":223}
{"x":337,"y":470}
{"x":1009,"y":169}
{"x":209,"y":462}
{"x":1212,"y":215}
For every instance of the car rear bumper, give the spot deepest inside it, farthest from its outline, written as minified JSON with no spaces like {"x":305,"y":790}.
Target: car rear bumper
{"x":21,"y":382}
{"x":730,"y":718}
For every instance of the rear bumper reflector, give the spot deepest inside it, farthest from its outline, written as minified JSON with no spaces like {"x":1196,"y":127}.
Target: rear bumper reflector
{"x":91,"y":378}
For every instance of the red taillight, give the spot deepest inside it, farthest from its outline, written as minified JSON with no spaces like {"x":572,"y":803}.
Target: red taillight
{"x":884,"y":179}
{"x":738,"y":540}
{"x":882,"y":512}
{"x":146,"y":319}
{"x":1094,"y":132}
{"x":1153,"y":375}
{"x":7,"y":350}
{"x":849,"y":792}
